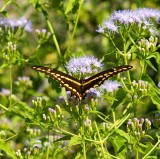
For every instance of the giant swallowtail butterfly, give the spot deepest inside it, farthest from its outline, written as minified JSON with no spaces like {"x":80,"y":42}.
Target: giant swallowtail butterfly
{"x":79,"y":88}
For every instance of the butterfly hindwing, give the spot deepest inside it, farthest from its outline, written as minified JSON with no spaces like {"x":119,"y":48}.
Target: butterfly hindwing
{"x":70,"y":83}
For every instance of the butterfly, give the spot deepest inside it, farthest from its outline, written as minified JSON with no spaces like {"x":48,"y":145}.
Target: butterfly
{"x":79,"y":88}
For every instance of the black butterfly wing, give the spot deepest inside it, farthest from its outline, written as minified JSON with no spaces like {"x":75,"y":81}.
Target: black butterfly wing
{"x":70,"y":83}
{"x":99,"y":78}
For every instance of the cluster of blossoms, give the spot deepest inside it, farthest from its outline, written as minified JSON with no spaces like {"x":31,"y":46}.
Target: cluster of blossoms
{"x":10,"y":53}
{"x":35,"y":146}
{"x":54,"y":115}
{"x":5,"y":92}
{"x":39,"y":104}
{"x":110,"y":86}
{"x":138,"y":128}
{"x":106,"y":126}
{"x":43,"y":35}
{"x":140,"y":17}
{"x":148,"y":46}
{"x":33,"y":132}
{"x":23,"y":82}
{"x":83,"y":67}
{"x":88,"y":125}
{"x":141,"y":87}
{"x":15,"y":24}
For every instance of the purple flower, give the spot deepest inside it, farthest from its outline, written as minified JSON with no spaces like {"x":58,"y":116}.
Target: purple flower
{"x":5,"y":92}
{"x":82,"y":67}
{"x":92,"y":93}
{"x":100,"y":29}
{"x":109,"y":25}
{"x":24,"y":81}
{"x":125,"y":17}
{"x":14,"y":24}
{"x":110,"y":86}
{"x":141,"y":17}
{"x":146,"y":13}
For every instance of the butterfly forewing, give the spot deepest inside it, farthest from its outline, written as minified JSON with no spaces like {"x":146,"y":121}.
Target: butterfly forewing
{"x":99,"y":78}
{"x":70,"y":83}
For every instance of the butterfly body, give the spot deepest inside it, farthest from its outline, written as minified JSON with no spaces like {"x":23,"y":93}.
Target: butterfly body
{"x":79,"y":88}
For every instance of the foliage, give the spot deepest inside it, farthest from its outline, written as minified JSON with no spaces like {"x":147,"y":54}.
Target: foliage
{"x":119,"y":119}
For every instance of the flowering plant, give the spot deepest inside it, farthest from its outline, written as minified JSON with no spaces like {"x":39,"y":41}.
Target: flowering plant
{"x":118,"y":119}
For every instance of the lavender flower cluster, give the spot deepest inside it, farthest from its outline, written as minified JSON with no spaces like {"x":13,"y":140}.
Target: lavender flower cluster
{"x":140,"y":17}
{"x":83,"y":67}
{"x":15,"y":24}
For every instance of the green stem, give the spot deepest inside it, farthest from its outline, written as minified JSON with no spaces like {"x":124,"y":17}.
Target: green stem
{"x":11,"y":137}
{"x":83,"y":139}
{"x":137,"y":154}
{"x":10,"y":85}
{"x":151,"y":149}
{"x":126,"y":61}
{"x":64,"y":131}
{"x":114,"y":118}
{"x":118,"y":125}
{"x":54,"y":38}
{"x":48,"y":147}
{"x":101,"y":141}
{"x":119,"y":52}
{"x":143,"y":68}
{"x":3,"y":107}
{"x":75,"y":26}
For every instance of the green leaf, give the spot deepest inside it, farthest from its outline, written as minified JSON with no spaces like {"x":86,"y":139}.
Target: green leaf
{"x":69,"y":6}
{"x":120,"y":96}
{"x":155,"y":98}
{"x":78,"y":155}
{"x":4,"y":65}
{"x":151,"y":56}
{"x":158,"y":58}
{"x":151,"y":157}
{"x":123,"y":134}
{"x":150,"y":64}
{"x":153,"y":91}
{"x":66,"y":137}
{"x":75,"y":140}
{"x":23,"y":110}
{"x":7,"y":149}
{"x":118,"y":140}
{"x":147,"y":78}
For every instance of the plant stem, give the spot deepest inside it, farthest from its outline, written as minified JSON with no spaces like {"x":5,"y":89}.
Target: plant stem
{"x":11,"y":137}
{"x":114,"y":118}
{"x":10,"y":85}
{"x":54,"y":38}
{"x":3,"y":107}
{"x":101,"y":142}
{"x":152,"y":149}
{"x":83,"y":139}
{"x":75,"y":26}
{"x":47,"y":154}
{"x":137,"y":154}
{"x":125,"y":59}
